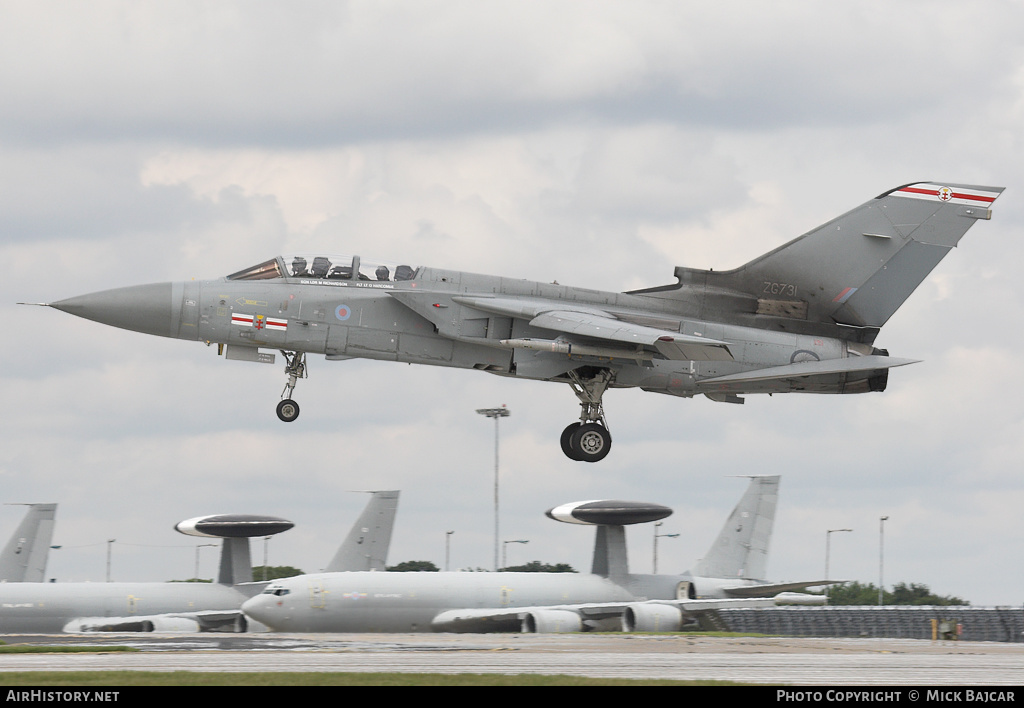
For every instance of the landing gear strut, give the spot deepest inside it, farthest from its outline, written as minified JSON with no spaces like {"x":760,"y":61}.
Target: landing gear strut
{"x":588,"y":440}
{"x":295,"y":367}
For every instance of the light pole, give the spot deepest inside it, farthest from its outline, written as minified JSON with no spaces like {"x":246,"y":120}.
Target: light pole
{"x":198,"y":546}
{"x":497,"y":414}
{"x":828,"y":538}
{"x":504,"y":551}
{"x":657,"y":535}
{"x":881,"y":554}
{"x":110,"y":543}
{"x":266,"y":540}
{"x":447,"y":548}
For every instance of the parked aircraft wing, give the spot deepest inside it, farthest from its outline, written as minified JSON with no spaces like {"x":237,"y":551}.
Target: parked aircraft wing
{"x":580,"y":617}
{"x":773,"y":589}
{"x":812,"y":368}
{"x":205,"y":621}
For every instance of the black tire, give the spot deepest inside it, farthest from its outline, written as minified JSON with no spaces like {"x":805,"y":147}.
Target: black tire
{"x":567,"y":441}
{"x":287,"y":410}
{"x":591,"y":442}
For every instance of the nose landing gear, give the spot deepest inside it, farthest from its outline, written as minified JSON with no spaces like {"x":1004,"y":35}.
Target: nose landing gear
{"x":588,"y":440}
{"x":295,"y":367}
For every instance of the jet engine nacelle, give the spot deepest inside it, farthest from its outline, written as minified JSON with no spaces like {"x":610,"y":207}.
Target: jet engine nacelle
{"x":651,"y":618}
{"x":551,"y":621}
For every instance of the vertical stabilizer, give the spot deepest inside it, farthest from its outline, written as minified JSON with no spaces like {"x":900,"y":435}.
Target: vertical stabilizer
{"x":24,"y":557}
{"x":854,"y":271}
{"x":235,"y":562}
{"x":610,"y":559}
{"x":366,"y":546}
{"x":741,"y":549}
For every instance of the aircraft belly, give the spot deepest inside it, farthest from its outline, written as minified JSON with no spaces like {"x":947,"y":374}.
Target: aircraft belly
{"x":372,"y":343}
{"x":425,"y":349}
{"x":307,"y":336}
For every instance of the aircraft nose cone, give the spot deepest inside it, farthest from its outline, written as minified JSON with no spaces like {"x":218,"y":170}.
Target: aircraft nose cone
{"x":149,"y":309}
{"x":256,"y":608}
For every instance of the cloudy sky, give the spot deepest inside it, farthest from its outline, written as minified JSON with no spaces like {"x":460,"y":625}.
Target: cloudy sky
{"x":598,"y":144}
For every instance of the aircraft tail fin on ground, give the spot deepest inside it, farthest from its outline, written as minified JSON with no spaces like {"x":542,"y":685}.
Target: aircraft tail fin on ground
{"x":741,"y":549}
{"x":855,"y":270}
{"x":24,"y":557}
{"x":367,"y":543}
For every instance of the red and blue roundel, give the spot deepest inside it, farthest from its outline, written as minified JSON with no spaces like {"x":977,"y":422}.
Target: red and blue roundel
{"x":343,"y":312}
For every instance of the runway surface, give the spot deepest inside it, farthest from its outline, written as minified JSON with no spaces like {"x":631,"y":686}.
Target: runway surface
{"x":797,"y":661}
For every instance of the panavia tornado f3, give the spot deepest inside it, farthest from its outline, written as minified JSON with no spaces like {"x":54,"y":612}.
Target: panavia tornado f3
{"x":803,"y":317}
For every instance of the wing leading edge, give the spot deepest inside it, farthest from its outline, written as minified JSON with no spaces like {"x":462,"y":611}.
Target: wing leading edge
{"x":594,"y":323}
{"x":669,"y":615}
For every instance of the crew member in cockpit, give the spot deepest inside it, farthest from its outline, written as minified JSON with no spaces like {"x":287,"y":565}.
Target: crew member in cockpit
{"x":299,"y":267}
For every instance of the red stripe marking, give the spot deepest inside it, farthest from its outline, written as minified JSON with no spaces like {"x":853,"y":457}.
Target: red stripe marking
{"x":956,"y":195}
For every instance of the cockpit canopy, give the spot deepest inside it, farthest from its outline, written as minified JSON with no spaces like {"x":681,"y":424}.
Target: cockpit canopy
{"x":326,"y":268}
{"x":276,"y":590}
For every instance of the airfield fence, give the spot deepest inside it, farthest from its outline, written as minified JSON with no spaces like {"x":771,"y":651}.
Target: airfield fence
{"x":982,"y":624}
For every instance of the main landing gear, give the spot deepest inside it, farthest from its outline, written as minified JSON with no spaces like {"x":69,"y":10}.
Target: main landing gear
{"x":295,"y":367}
{"x":588,"y":440}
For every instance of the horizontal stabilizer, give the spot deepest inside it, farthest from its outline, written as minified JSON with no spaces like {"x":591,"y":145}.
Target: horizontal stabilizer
{"x":814,"y":368}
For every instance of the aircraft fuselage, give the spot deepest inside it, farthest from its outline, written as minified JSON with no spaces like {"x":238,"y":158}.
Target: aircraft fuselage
{"x":49,"y":607}
{"x":423,"y":322}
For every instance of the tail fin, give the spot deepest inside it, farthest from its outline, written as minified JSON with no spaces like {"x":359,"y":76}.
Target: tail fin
{"x":367,"y":543}
{"x":855,"y":270}
{"x":24,"y":557}
{"x":741,"y":549}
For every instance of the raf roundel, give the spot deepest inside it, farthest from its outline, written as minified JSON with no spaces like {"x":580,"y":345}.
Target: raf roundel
{"x":609,"y":512}
{"x":233,"y":526}
{"x":343,"y":312}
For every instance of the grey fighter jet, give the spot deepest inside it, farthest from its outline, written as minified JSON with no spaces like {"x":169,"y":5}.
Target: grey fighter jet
{"x":803,"y":317}
{"x":609,"y":598}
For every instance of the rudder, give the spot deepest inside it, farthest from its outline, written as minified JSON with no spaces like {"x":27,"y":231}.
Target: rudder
{"x":852,"y":272}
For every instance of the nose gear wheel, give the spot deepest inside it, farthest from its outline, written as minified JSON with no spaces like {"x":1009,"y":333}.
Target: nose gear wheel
{"x":295,"y":367}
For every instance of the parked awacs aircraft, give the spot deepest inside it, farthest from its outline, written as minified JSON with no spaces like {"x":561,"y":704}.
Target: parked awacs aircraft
{"x":609,"y":598}
{"x":23,"y":559}
{"x":186,"y":607}
{"x":803,"y":317}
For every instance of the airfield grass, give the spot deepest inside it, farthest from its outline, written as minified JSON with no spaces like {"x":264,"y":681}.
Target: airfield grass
{"x":107,"y":679}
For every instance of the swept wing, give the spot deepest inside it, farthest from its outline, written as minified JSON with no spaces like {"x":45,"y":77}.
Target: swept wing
{"x":598,"y":324}
{"x":203,"y":621}
{"x":579,"y":617}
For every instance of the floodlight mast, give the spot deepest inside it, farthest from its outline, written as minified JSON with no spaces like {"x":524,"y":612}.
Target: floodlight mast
{"x":497,"y":414}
